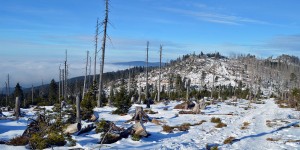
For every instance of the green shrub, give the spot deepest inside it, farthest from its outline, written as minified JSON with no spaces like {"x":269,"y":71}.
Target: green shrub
{"x":108,"y":138}
{"x":135,"y":137}
{"x":56,"y":139}
{"x":215,"y":120}
{"x":102,"y":126}
{"x":18,"y":141}
{"x":37,"y":142}
{"x":71,"y":142}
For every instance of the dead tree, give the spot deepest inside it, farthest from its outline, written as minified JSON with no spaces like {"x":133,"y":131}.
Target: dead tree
{"x":17,"y":107}
{"x":78,"y":118}
{"x":96,"y":50}
{"x":158,"y":92}
{"x":59,"y":84}
{"x":32,"y":94}
{"x":8,"y":86}
{"x":140,"y":91}
{"x":85,"y":77}
{"x":147,"y":96}
{"x":6,"y":94}
{"x":66,"y":76}
{"x":105,"y":21}
{"x":90,"y":69}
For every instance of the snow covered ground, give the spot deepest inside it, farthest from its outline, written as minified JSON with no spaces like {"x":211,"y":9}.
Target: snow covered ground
{"x":199,"y":136}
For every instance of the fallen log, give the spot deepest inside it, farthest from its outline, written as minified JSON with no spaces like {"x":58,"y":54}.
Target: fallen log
{"x":86,"y":129}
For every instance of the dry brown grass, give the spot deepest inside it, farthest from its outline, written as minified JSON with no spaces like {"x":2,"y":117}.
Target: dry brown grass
{"x":167,"y":129}
{"x":273,"y":139}
{"x":245,"y":125}
{"x":229,"y":140}
{"x":215,"y":120}
{"x":221,"y":125}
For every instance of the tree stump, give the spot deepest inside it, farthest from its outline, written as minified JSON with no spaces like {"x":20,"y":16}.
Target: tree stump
{"x":139,"y":129}
{"x":140,"y":115}
{"x":196,"y":109}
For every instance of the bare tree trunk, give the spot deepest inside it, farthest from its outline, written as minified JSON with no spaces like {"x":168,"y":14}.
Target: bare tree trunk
{"x":63,"y":83}
{"x":96,"y":50}
{"x":99,"y":102}
{"x":8,"y":86}
{"x":90,"y":69}
{"x":32,"y":94}
{"x":147,"y":96}
{"x":6,"y":95}
{"x":85,"y":77}
{"x":78,"y":118}
{"x":158,"y":92}
{"x":66,"y":77}
{"x":110,"y":96}
{"x":17,"y":107}
{"x":59,"y":84}
{"x":140,"y":91}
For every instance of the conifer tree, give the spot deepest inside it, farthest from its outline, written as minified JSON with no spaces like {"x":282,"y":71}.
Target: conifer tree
{"x":122,"y":100}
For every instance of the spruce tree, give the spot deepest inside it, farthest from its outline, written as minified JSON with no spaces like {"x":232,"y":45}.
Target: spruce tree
{"x":122,"y":101}
{"x":19,"y":92}
{"x":53,"y":92}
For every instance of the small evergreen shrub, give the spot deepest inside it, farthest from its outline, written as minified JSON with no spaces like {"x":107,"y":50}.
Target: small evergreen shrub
{"x":135,"y":137}
{"x":102,"y":126}
{"x":56,"y":139}
{"x":37,"y":142}
{"x":108,"y":138}
{"x":71,"y":142}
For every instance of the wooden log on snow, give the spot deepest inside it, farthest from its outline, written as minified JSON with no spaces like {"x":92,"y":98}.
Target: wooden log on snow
{"x":72,"y":128}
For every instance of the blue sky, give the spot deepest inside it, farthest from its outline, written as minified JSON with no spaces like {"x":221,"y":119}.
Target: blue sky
{"x":36,"y":33}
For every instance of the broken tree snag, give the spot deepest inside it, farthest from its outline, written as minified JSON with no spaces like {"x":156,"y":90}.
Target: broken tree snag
{"x":17,"y":107}
{"x":140,"y":115}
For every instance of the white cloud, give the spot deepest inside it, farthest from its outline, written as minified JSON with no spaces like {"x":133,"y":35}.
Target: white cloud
{"x":214,"y":16}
